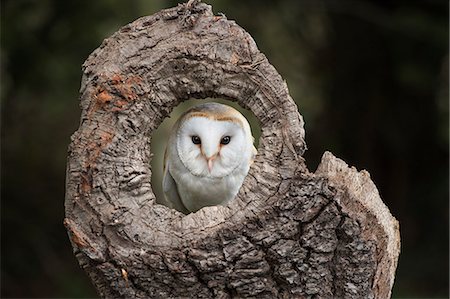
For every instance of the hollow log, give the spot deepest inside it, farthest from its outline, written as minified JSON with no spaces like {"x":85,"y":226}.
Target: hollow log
{"x":289,"y":233}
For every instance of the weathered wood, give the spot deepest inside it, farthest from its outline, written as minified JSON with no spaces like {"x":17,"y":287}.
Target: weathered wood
{"x":289,"y":233}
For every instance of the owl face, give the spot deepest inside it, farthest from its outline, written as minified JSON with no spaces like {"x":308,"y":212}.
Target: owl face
{"x":212,"y":147}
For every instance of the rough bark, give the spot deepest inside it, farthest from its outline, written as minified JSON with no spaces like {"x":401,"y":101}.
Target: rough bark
{"x":289,"y":233}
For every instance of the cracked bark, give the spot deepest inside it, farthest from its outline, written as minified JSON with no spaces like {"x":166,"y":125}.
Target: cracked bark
{"x":289,"y":233}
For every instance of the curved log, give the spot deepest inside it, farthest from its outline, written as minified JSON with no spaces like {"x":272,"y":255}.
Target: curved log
{"x":289,"y":232}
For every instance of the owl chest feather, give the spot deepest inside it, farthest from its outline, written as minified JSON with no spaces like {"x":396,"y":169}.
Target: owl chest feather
{"x":197,"y":192}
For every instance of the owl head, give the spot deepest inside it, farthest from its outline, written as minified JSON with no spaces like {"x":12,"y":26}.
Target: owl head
{"x":213,"y":140}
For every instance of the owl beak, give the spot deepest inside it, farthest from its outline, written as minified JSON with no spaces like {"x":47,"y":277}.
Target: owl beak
{"x":210,"y":162}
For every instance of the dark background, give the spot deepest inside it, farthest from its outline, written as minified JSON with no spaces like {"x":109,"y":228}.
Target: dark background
{"x":369,"y":77}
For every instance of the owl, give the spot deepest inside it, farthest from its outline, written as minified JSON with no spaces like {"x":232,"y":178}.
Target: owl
{"x":208,"y":155}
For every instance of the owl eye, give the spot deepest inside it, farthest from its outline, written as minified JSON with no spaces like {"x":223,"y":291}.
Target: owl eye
{"x":196,"y":140}
{"x":225,"y":140}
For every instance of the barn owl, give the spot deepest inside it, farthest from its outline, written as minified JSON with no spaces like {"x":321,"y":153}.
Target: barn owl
{"x":208,"y":155}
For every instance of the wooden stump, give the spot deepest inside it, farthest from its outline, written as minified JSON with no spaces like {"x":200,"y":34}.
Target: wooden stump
{"x":288,"y":234}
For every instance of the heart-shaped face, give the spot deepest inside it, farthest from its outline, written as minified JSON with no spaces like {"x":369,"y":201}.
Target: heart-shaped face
{"x":212,"y":148}
{"x":213,"y":141}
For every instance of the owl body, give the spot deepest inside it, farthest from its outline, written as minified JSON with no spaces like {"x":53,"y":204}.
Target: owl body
{"x":209,"y":153}
{"x":198,"y":192}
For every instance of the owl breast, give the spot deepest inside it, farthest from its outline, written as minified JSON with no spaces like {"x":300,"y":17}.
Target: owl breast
{"x":198,"y":192}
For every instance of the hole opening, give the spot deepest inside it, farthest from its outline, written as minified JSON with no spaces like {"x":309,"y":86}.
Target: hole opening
{"x":161,"y":135}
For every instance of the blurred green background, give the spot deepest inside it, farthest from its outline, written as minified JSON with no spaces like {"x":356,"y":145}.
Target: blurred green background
{"x":369,"y":77}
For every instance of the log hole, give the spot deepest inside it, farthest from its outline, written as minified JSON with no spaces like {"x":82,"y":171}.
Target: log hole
{"x":160,"y":136}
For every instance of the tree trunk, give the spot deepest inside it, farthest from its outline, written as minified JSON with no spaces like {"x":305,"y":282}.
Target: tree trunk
{"x":289,"y":233}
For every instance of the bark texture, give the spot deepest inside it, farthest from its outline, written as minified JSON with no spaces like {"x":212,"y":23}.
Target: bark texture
{"x":289,"y":233}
